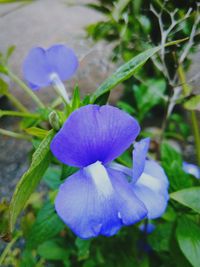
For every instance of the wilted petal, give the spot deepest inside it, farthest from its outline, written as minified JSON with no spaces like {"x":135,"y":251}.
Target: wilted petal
{"x":152,"y":189}
{"x":96,"y":201}
{"x":36,"y":69}
{"x":139,"y":156}
{"x":62,"y":60}
{"x":192,"y":169}
{"x":93,"y":133}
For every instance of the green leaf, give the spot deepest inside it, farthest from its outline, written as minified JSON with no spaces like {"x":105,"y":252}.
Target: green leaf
{"x":172,"y":164}
{"x":76,"y":100}
{"x":127,"y":70}
{"x":124,"y":72}
{"x":188,"y":236}
{"x":160,"y":238}
{"x":149,"y":95}
{"x":50,"y":250}
{"x":118,"y":9}
{"x":38,"y":132}
{"x":52,"y":177}
{"x":193,"y":103}
{"x":3,"y":87}
{"x":30,"y":179}
{"x":10,"y":51}
{"x":169,"y":154}
{"x":83,"y":248}
{"x":189,"y":197}
{"x":46,"y":226}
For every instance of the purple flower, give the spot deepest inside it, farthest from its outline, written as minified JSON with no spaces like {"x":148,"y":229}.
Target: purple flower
{"x":148,"y":180}
{"x":96,"y":200}
{"x":191,"y":169}
{"x":49,"y":67}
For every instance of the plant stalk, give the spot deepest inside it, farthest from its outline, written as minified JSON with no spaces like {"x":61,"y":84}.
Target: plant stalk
{"x":18,"y":114}
{"x":26,"y":89}
{"x":16,"y":102}
{"x":14,"y":134}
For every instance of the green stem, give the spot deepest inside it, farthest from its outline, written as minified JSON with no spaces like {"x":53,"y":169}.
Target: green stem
{"x":196,"y":134}
{"x":16,"y":102}
{"x":8,"y":248}
{"x":25,"y":88}
{"x":194,"y":119}
{"x":18,"y":114}
{"x":15,"y":135}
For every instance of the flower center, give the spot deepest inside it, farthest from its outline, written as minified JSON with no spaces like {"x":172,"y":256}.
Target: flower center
{"x":100,"y":178}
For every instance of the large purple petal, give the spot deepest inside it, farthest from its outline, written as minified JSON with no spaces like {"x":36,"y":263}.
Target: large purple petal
{"x":95,"y":201}
{"x":139,"y":156}
{"x":93,"y":133}
{"x":152,"y":189}
{"x":36,"y":69}
{"x":62,"y":60}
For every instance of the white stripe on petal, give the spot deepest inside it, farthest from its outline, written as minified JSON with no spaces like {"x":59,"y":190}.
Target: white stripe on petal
{"x":59,"y":87}
{"x":150,"y":181}
{"x":100,"y":178}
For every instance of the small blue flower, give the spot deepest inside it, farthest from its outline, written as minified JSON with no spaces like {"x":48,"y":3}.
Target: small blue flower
{"x":191,"y":169}
{"x":50,"y":67}
{"x":96,"y":200}
{"x":148,"y":180}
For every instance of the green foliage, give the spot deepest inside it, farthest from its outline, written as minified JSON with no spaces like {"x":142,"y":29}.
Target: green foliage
{"x":193,"y":103}
{"x":188,"y":236}
{"x":46,"y":226}
{"x":172,"y":163}
{"x":29,"y":181}
{"x":189,"y":197}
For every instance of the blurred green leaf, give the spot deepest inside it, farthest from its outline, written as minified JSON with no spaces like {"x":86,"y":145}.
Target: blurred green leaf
{"x":27,"y":259}
{"x":148,"y":95}
{"x":169,"y":154}
{"x":188,"y":236}
{"x":50,"y":250}
{"x":30,"y":179}
{"x":172,"y":164}
{"x":159,"y":240}
{"x":46,"y":226}
{"x":10,"y":51}
{"x":83,"y":248}
{"x":76,"y":100}
{"x":189,"y":197}
{"x":38,"y":132}
{"x":118,"y":9}
{"x":193,"y":103}
{"x":127,"y":70}
{"x":52,"y":177}
{"x":126,"y":107}
{"x":3,"y":87}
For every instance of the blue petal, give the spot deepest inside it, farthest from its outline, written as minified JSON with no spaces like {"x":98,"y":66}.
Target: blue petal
{"x":36,"y":69}
{"x":63,"y":61}
{"x":94,"y":133}
{"x":191,"y":169}
{"x":40,"y":64}
{"x":97,"y":201}
{"x":139,"y":156}
{"x":152,"y":189}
